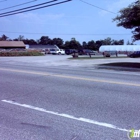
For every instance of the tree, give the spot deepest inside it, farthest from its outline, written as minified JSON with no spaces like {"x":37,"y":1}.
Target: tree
{"x":58,"y":42}
{"x":77,"y":43}
{"x":29,"y":41}
{"x":72,"y":44}
{"x":67,"y":45}
{"x":15,"y":39}
{"x":116,"y":42}
{"x":107,"y":41}
{"x":20,"y":38}
{"x":3,"y":38}
{"x":91,"y":45}
{"x":84,"y":45}
{"x":128,"y":43}
{"x":98,"y":44}
{"x":129,"y":18}
{"x":37,"y":41}
{"x":45,"y":40}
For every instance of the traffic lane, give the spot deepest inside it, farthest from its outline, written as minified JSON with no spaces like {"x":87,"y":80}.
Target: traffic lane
{"x":110,"y":103}
{"x":24,"y":124}
{"x":82,"y":72}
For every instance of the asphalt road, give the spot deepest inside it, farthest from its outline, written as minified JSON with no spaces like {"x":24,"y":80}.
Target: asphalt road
{"x":62,"y":103}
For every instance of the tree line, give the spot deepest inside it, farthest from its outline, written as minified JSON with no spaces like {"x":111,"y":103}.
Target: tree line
{"x":128,"y":18}
{"x":71,"y":44}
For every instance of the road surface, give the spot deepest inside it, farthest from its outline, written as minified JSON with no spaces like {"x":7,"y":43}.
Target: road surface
{"x":63,"y":103}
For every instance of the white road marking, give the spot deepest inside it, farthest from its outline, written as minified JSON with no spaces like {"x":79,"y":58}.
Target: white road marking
{"x":66,"y":115}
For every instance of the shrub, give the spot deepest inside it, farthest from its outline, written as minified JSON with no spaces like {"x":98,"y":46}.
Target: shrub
{"x":21,"y":53}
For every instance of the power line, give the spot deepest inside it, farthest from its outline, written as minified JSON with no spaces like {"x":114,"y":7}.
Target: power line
{"x":28,"y":7}
{"x":36,"y":8}
{"x":18,"y":5}
{"x":61,"y":33}
{"x":97,"y":7}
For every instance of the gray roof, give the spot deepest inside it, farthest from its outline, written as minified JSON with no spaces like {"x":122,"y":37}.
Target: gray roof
{"x":43,"y":46}
{"x":12,"y":44}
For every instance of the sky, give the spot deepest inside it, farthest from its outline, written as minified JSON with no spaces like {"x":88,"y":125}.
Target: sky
{"x":74,"y":19}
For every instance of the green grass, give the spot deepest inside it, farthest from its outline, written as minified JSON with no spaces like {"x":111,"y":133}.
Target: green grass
{"x":88,"y":58}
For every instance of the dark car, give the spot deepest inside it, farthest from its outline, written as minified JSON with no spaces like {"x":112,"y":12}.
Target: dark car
{"x":134,"y":54}
{"x":70,"y":51}
{"x":86,"y":52}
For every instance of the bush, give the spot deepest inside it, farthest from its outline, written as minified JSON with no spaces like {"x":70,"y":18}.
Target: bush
{"x":21,"y":53}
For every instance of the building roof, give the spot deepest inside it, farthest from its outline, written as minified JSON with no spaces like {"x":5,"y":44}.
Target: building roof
{"x":119,"y":48}
{"x":43,"y":46}
{"x":12,"y":44}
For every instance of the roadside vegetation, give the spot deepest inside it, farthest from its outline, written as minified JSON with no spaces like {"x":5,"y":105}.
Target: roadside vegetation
{"x":21,"y":53}
{"x":129,"y":18}
{"x":97,"y":57}
{"x":73,"y":43}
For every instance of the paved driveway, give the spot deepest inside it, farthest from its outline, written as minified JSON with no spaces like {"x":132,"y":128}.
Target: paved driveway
{"x":61,"y":60}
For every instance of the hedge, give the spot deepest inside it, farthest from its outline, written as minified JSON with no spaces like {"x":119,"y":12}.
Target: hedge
{"x":21,"y":53}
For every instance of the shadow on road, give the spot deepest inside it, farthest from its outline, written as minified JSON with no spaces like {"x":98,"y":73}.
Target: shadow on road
{"x":128,"y":66}
{"x":123,"y":64}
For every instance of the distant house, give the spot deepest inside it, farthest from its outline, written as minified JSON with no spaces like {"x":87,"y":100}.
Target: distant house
{"x":43,"y":47}
{"x":12,"y":45}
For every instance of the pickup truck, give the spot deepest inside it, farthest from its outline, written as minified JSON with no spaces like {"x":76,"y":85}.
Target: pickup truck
{"x":57,"y":51}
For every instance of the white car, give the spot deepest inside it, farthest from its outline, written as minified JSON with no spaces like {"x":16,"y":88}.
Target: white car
{"x":57,"y":51}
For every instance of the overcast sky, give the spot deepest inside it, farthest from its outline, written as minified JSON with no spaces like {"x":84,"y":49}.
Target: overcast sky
{"x":73,"y":19}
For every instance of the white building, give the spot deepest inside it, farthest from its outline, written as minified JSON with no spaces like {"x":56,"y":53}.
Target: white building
{"x":119,"y":48}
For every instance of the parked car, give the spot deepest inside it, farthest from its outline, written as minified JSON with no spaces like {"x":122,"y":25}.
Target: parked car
{"x":57,"y":51}
{"x":47,"y":51}
{"x":70,"y":51}
{"x":134,"y":54}
{"x":86,"y":52}
{"x":110,"y":53}
{"x":106,"y":54}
